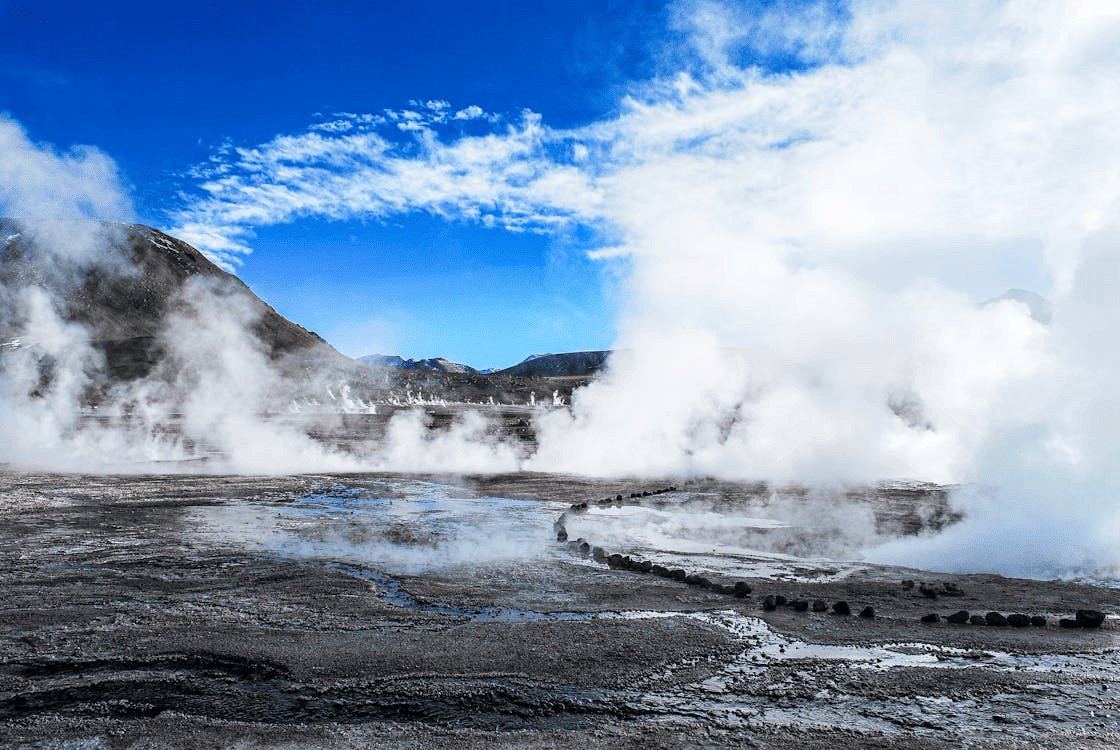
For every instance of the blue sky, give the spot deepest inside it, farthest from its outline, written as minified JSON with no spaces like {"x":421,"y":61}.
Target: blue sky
{"x":486,"y":180}
{"x":162,"y":89}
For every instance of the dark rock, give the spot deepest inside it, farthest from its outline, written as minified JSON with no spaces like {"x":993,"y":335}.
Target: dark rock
{"x":868,"y":613}
{"x":561,"y":534}
{"x":703,"y":582}
{"x":614,"y":561}
{"x":977,"y":620}
{"x":1018,"y":620}
{"x":584,"y":548}
{"x":951,"y":589}
{"x":677,"y":574}
{"x":691,"y":579}
{"x":618,"y":499}
{"x":927,"y":592}
{"x":799,"y":605}
{"x":907,"y":585}
{"x":1038,"y":621}
{"x":780,"y":600}
{"x":741,"y":589}
{"x":820,"y":605}
{"x":958,"y":618}
{"x":660,"y":570}
{"x":645,"y":566}
{"x":1066,"y":622}
{"x":769,"y":604}
{"x":599,"y":554}
{"x":1089,"y":618}
{"x":841,"y":608}
{"x":995,"y":619}
{"x":931,"y":617}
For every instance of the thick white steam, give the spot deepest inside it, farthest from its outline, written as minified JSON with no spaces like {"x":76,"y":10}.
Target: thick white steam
{"x":807,"y":255}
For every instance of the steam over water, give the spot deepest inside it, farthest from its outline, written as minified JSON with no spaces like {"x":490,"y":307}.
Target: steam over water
{"x":806,"y":255}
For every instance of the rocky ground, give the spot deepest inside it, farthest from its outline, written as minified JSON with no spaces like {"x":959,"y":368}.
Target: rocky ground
{"x":378,"y":610}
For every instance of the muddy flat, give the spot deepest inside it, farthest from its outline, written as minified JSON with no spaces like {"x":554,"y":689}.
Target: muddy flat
{"x":405,"y":611}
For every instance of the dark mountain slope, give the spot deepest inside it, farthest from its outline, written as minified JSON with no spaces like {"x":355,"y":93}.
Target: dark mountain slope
{"x":120,"y":281}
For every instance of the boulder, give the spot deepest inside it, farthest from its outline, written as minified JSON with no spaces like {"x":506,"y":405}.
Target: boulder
{"x":868,"y":613}
{"x":677,"y":574}
{"x":1038,"y":621}
{"x":841,"y":608}
{"x":780,"y":600}
{"x":799,"y":605}
{"x":820,"y":605}
{"x":995,"y":619}
{"x":768,"y":603}
{"x":958,"y":618}
{"x":931,"y":618}
{"x":977,"y":620}
{"x":1018,"y":620}
{"x":1089,"y":618}
{"x":741,"y":589}
{"x":1066,"y":622}
{"x":907,"y":585}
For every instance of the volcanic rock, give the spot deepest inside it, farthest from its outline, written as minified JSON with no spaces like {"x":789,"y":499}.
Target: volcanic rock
{"x":841,"y":608}
{"x":995,"y":619}
{"x":1089,"y":618}
{"x":958,"y":618}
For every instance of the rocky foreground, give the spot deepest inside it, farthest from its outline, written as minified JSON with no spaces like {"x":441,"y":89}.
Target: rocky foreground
{"x":356,"y":611}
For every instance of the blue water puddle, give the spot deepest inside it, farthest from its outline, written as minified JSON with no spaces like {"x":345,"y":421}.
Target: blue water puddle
{"x":397,"y":525}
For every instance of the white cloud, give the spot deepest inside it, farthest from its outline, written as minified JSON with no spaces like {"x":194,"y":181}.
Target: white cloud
{"x":505,"y":178}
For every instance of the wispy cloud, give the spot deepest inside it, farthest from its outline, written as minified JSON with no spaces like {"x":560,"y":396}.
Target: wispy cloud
{"x":362,"y":166}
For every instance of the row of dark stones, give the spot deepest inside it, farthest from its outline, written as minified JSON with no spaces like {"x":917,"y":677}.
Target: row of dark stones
{"x":929,"y":592}
{"x":618,"y":500}
{"x":739,"y":589}
{"x":1085,"y":618}
{"x":772,"y":602}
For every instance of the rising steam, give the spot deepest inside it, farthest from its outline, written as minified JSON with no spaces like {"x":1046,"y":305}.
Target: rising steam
{"x":807,"y":251}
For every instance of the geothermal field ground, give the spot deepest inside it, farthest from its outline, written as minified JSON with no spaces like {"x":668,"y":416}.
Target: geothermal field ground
{"x":522,"y":610}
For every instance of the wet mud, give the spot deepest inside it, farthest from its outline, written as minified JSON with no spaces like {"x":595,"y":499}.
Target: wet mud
{"x":382,"y":610}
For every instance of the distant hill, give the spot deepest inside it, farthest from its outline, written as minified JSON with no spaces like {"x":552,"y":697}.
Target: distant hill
{"x":570,"y":364}
{"x":438,"y":364}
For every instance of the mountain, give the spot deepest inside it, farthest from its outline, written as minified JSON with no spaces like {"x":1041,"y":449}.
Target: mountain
{"x":570,"y":364}
{"x":438,"y":364}
{"x":121,"y":281}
